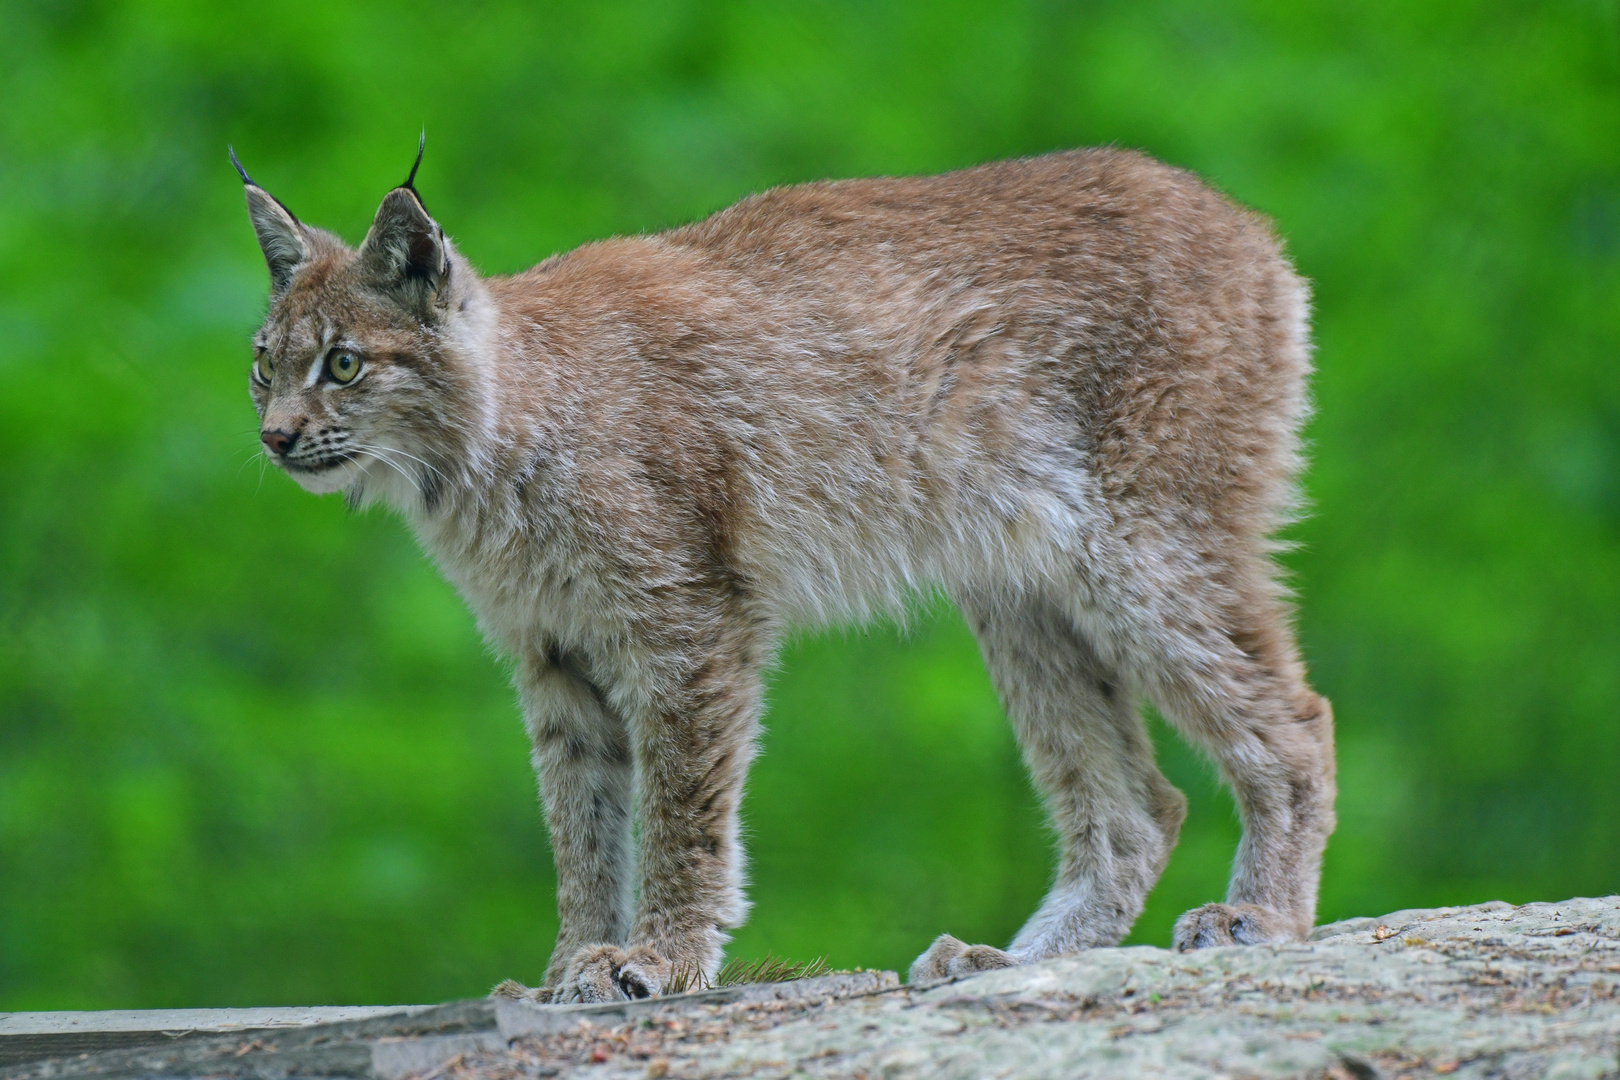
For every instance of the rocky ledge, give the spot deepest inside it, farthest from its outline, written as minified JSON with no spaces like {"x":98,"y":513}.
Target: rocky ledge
{"x":1486,"y":991}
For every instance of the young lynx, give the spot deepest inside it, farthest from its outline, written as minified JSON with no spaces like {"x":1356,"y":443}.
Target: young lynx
{"x":1065,"y":390}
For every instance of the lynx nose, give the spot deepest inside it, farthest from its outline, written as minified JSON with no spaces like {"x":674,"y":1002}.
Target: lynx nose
{"x":278,"y":441}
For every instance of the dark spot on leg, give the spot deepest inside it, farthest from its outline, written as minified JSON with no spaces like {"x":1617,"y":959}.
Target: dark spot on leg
{"x":573,"y":667}
{"x":567,"y":745}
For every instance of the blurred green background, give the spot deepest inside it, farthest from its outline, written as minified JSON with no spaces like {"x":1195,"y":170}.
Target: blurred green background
{"x":251,"y":748}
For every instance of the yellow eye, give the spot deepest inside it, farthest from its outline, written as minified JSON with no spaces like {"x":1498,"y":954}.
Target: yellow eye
{"x":264,"y":368}
{"x":343,"y":366}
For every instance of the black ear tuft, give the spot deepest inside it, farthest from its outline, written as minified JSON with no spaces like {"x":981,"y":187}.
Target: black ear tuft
{"x":281,"y":237}
{"x":405,"y":251}
{"x":421,"y":144}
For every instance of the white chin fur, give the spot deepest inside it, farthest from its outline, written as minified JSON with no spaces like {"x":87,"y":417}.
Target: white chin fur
{"x":326,"y":481}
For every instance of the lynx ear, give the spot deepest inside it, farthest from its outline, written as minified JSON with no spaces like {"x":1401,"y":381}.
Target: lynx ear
{"x":281,"y":237}
{"x":405,"y":251}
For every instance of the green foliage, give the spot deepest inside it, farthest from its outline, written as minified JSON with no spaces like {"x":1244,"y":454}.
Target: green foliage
{"x":252,"y":750}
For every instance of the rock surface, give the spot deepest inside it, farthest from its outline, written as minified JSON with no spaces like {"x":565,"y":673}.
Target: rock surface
{"x":1493,"y":990}
{"x":1486,"y":991}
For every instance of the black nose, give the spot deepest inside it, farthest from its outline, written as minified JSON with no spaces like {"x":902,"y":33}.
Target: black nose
{"x":278,"y":441}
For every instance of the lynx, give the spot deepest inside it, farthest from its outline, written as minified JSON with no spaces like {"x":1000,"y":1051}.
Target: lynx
{"x":1064,"y":391}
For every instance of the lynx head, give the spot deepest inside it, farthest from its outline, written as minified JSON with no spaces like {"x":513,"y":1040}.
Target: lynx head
{"x":356,"y":374}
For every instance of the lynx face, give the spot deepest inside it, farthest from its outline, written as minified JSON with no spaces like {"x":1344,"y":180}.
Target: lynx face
{"x":348,"y":377}
{"x":343,"y":378}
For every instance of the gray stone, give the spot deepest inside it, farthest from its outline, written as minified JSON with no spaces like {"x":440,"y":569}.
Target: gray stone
{"x":393,"y":1059}
{"x":1486,"y":991}
{"x":344,"y":1048}
{"x":28,"y":1036}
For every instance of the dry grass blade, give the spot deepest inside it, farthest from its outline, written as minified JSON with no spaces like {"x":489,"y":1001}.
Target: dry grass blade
{"x":769,"y":969}
{"x":684,"y":978}
{"x":766,"y":969}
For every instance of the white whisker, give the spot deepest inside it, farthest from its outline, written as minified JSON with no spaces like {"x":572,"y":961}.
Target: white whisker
{"x":370,"y":447}
{"x":373,"y":451}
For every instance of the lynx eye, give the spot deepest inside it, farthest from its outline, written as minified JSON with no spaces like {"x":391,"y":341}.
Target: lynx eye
{"x":264,"y":368}
{"x":343,"y":366}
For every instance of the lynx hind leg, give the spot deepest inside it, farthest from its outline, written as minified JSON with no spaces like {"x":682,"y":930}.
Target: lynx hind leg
{"x":1084,"y":742}
{"x":1272,"y":737}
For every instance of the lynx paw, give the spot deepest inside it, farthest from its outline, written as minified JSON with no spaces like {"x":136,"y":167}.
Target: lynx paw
{"x":609,"y":973}
{"x":1230,"y":924}
{"x":513,"y":990}
{"x":948,"y":958}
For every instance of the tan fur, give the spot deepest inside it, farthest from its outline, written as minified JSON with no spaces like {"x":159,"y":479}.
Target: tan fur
{"x":1065,"y":390}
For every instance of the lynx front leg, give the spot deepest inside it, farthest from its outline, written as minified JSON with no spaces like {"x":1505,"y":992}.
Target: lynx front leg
{"x":583,"y":760}
{"x":693,"y":739}
{"x":1116,"y":817}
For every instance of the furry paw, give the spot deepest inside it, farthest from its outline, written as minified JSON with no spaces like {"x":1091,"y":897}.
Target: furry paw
{"x":513,"y":990}
{"x":1230,"y":924}
{"x":948,"y":958}
{"x":609,"y":973}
